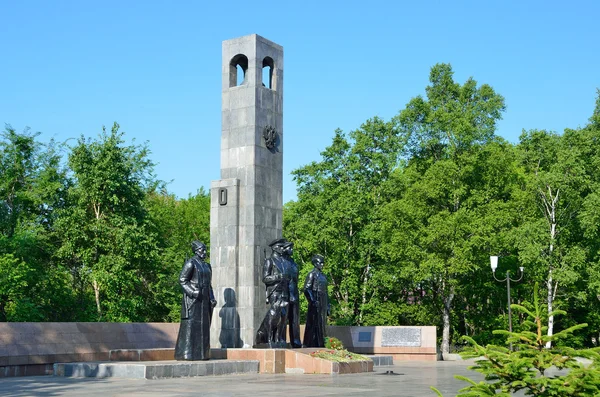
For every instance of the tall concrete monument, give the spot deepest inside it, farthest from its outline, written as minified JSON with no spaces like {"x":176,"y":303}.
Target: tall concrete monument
{"x":246,"y":203}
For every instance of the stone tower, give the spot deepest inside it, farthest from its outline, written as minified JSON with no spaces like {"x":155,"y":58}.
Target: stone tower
{"x":246,"y":204}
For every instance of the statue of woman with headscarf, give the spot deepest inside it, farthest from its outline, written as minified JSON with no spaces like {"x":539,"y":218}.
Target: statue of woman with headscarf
{"x":315,"y":290}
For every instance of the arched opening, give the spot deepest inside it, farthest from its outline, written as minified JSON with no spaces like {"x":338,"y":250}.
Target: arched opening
{"x":240,"y":76}
{"x":267,"y":73}
{"x":237,"y":70}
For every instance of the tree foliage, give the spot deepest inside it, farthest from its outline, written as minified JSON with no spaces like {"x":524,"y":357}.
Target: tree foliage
{"x":406,"y":212}
{"x":93,"y":237}
{"x":176,"y":222}
{"x":105,"y":239}
{"x":336,"y":214}
{"x":32,"y":188}
{"x":562,"y":185}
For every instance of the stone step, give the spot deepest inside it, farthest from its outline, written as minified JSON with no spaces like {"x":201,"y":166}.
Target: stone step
{"x":155,"y":369}
{"x":145,"y":354}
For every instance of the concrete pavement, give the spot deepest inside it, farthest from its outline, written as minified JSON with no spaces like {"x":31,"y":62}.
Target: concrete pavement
{"x":409,"y":379}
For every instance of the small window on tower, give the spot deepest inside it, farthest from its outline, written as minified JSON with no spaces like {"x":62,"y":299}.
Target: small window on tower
{"x":267,"y":73}
{"x":237,"y":70}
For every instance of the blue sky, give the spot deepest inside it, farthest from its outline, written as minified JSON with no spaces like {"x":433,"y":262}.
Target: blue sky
{"x":70,"y":67}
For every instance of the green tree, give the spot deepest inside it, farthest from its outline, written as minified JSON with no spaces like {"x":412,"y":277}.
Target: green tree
{"x":559,"y":235}
{"x":435,"y":224}
{"x":176,"y":223}
{"x":588,"y":303}
{"x":32,"y":183}
{"x":18,"y":174}
{"x":335,"y":215}
{"x":106,"y":240}
{"x":32,"y":188}
{"x":17,"y":279}
{"x":562,"y":187}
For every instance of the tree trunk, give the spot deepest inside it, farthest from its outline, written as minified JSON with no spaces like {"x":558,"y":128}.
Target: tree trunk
{"x":550,"y":302}
{"x":364,"y":290}
{"x":446,"y":318}
{"x":97,"y":296}
{"x":550,"y":203}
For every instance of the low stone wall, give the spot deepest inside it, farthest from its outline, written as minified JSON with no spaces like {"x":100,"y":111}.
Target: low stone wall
{"x":32,"y":348}
{"x":400,"y":342}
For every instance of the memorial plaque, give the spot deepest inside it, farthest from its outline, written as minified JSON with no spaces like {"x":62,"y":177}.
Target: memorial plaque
{"x":364,"y":336}
{"x":401,"y":337}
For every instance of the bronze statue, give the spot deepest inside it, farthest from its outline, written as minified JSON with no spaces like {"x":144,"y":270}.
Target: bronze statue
{"x":315,"y":290}
{"x":193,"y":340}
{"x":294,"y":303}
{"x":271,"y":332}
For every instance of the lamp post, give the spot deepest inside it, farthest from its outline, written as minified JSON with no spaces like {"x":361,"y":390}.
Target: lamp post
{"x":494,"y":263}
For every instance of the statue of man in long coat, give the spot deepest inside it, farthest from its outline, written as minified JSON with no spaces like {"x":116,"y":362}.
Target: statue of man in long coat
{"x":193,"y":340}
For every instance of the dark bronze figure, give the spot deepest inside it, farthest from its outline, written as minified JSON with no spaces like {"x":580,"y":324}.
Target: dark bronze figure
{"x":315,"y":290}
{"x":271,"y":332}
{"x":294,"y":304}
{"x":193,"y":340}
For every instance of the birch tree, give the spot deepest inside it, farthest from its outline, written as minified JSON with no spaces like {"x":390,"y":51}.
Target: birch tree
{"x":562,"y":184}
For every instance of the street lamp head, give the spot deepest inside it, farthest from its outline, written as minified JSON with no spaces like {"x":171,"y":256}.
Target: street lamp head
{"x":494,"y":263}
{"x":521,"y":269}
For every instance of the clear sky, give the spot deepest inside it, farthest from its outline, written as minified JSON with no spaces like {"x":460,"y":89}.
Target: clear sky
{"x":69,"y":67}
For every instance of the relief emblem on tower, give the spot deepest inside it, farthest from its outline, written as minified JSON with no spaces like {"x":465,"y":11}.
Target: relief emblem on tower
{"x":270,"y":135}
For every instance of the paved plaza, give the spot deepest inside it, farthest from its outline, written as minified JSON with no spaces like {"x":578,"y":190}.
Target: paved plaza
{"x":408,"y":379}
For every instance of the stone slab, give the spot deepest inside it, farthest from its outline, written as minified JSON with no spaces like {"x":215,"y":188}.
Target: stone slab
{"x":381,"y":360}
{"x":155,"y":369}
{"x":401,"y":337}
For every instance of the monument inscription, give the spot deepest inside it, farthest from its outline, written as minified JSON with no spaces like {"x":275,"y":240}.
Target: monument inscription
{"x":401,"y":337}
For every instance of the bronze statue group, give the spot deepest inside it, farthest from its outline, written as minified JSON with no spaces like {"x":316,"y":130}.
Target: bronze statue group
{"x":280,"y":276}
